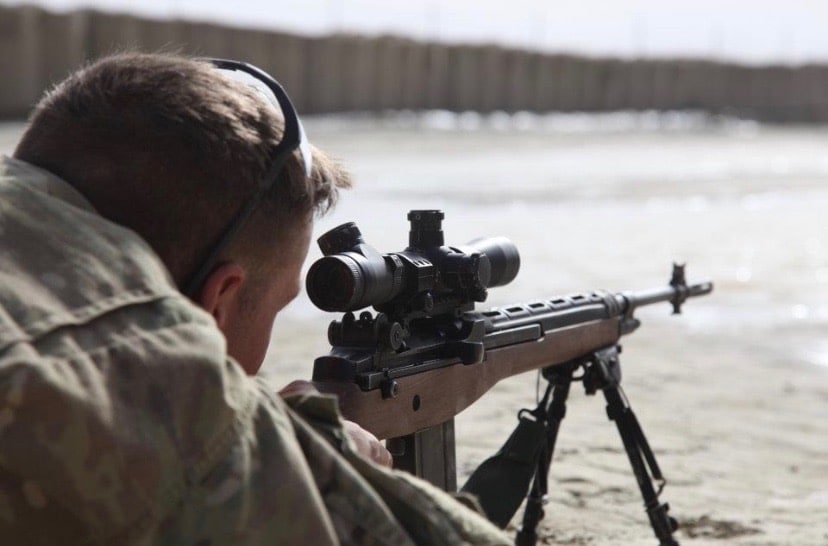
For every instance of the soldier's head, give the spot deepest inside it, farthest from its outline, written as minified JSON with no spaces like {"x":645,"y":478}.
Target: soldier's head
{"x":174,"y":148}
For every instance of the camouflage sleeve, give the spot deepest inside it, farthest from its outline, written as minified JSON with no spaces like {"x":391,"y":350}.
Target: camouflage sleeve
{"x":428,"y":515}
{"x":151,"y":438}
{"x":261,"y":492}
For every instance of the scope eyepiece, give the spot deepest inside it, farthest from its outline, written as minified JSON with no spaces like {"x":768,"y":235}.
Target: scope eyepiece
{"x":352,"y":280}
{"x":335,"y":283}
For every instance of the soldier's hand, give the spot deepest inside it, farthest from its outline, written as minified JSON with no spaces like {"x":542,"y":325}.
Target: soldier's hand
{"x":299,"y":386}
{"x":366,"y":443}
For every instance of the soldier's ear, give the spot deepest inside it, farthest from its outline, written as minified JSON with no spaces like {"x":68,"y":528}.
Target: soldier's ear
{"x":219,"y":294}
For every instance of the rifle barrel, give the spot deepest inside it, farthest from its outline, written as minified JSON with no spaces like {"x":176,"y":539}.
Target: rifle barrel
{"x":629,"y":301}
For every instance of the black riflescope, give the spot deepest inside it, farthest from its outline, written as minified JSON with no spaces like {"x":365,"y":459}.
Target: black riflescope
{"x":353,"y":275}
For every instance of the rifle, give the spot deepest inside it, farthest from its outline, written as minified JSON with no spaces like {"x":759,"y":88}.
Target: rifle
{"x":426,"y":355}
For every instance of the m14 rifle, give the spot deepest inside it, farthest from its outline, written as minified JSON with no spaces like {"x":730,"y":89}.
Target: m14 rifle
{"x":426,"y":355}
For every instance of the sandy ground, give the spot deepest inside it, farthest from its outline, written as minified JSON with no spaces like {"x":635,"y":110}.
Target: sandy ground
{"x":733,"y":395}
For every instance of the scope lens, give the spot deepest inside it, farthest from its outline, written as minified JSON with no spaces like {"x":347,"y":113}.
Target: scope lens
{"x":503,"y":256}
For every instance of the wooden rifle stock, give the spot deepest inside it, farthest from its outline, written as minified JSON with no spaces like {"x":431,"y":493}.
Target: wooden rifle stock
{"x":432,"y":397}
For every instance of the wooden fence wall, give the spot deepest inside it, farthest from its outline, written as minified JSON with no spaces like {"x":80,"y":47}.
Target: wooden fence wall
{"x":355,"y":73}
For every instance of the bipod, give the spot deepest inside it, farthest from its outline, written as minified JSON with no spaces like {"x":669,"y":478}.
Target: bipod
{"x":501,"y":481}
{"x":602,"y":371}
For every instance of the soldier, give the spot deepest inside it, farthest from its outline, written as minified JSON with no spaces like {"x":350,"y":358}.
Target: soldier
{"x":153,"y":222}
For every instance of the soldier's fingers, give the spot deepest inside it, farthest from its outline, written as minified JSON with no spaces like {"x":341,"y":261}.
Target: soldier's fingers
{"x":381,"y":455}
{"x":367,"y":444}
{"x":298,"y":387}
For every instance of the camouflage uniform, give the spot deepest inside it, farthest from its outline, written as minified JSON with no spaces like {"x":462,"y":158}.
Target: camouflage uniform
{"x":123,"y":421}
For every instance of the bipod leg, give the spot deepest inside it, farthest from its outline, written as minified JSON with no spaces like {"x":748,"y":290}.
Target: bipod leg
{"x":551,"y":414}
{"x":605,"y":374}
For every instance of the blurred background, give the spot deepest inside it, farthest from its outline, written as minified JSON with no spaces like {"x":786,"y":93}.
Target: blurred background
{"x":607,"y":139}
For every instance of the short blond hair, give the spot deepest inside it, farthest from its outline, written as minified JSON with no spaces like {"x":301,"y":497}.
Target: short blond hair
{"x":172,"y":148}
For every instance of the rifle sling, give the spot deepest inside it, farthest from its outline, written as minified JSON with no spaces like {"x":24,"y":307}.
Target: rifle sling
{"x":502,"y":481}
